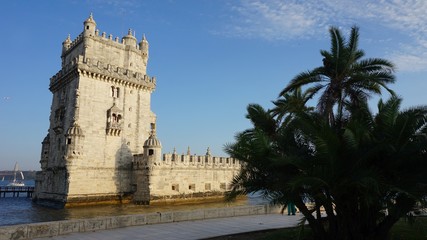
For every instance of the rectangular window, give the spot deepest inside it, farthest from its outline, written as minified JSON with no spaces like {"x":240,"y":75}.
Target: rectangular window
{"x":222,"y":186}
{"x":175,"y":187}
{"x":207,"y":186}
{"x":192,"y":187}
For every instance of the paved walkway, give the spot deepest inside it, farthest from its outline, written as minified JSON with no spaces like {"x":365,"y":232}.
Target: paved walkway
{"x":191,"y":229}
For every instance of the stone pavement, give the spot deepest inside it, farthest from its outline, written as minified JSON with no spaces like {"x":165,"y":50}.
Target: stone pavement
{"x":187,"y":230}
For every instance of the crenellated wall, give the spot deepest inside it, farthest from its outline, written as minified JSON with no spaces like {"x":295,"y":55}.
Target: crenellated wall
{"x":103,"y":37}
{"x":205,"y":161}
{"x":182,"y":177}
{"x":124,"y":54}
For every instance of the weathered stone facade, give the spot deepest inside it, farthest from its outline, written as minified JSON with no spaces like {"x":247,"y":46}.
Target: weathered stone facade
{"x":180,"y":177}
{"x":101,"y":146}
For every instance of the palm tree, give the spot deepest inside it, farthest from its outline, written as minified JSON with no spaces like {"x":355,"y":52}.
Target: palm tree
{"x":345,"y":78}
{"x":376,"y":162}
{"x":344,"y":159}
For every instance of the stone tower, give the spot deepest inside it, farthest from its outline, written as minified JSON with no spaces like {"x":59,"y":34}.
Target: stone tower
{"x":100,"y":117}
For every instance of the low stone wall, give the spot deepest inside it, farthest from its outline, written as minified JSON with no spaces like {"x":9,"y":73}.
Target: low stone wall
{"x":49,"y":229}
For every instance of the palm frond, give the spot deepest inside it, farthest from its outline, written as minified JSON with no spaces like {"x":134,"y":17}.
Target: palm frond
{"x":304,"y":78}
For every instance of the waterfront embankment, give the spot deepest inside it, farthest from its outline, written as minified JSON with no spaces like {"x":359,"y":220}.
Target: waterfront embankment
{"x":57,"y":228}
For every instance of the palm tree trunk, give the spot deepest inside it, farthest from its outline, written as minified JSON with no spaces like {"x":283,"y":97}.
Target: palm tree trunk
{"x":316,"y":225}
{"x":333,"y":226}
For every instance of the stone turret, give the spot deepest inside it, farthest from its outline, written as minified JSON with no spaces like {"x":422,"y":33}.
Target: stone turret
{"x":66,"y":44}
{"x":45,"y":152}
{"x":129,"y":39}
{"x":89,"y":26}
{"x":152,"y":147}
{"x":143,"y":165}
{"x":74,"y":136}
{"x":143,"y":46}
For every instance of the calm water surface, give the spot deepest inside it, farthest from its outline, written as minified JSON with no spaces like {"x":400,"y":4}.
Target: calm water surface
{"x":22,"y":210}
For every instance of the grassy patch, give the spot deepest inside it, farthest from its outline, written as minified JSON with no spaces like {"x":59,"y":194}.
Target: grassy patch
{"x":402,"y":230}
{"x":288,"y":234}
{"x":408,"y":230}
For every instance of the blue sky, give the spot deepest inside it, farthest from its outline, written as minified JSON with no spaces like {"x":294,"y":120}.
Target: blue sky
{"x":211,"y":59}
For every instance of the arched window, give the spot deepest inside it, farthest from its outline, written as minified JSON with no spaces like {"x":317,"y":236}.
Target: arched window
{"x":115,"y":92}
{"x":114,"y":121}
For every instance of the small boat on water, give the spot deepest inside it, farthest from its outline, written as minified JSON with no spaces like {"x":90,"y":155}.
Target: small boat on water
{"x":15,"y":182}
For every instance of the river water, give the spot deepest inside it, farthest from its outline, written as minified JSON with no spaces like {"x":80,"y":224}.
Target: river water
{"x":22,"y":210}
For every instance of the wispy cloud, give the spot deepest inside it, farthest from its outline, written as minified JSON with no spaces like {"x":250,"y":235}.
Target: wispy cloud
{"x":116,"y":7}
{"x":293,"y":19}
{"x":276,"y":20}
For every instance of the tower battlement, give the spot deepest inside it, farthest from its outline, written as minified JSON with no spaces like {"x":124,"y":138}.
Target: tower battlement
{"x":127,"y":40}
{"x":174,"y":160}
{"x":199,"y":161}
{"x":104,"y":72}
{"x":126,"y":54}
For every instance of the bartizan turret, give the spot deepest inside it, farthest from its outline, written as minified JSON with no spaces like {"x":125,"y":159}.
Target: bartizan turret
{"x":143,"y":166}
{"x":89,"y":26}
{"x":143,"y":46}
{"x":130,"y":39}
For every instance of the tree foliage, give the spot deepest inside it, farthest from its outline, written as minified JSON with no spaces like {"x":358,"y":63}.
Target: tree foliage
{"x":361,"y":171}
{"x":345,"y":78}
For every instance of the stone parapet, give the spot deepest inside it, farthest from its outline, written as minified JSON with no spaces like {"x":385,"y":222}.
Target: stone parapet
{"x":101,"y":71}
{"x":103,"y":39}
{"x":50,"y":229}
{"x":195,"y":161}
